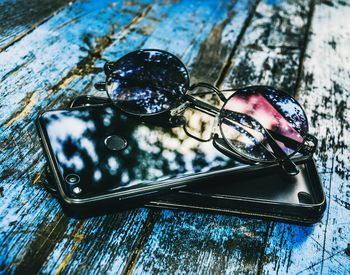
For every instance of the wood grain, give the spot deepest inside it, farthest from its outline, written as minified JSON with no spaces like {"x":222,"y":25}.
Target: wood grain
{"x":268,"y":53}
{"x":50,"y":52}
{"x":88,"y":49}
{"x":205,"y":17}
{"x":161,"y":36}
{"x":32,"y":224}
{"x":325,"y":94}
{"x":18,"y":18}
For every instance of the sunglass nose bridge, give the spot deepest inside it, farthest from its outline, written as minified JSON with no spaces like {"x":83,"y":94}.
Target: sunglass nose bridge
{"x":210,"y":87}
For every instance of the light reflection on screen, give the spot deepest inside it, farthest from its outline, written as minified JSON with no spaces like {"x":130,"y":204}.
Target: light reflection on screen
{"x":153,"y":153}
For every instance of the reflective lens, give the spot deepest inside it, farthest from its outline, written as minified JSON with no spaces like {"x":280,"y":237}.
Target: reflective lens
{"x":276,"y":111}
{"x":147,"y":82}
{"x":199,"y":123}
{"x":245,"y":136}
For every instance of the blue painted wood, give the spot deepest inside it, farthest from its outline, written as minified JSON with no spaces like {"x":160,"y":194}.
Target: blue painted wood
{"x":320,"y":248}
{"x":97,"y":245}
{"x":64,"y":55}
{"x":182,"y":13}
{"x":134,"y":30}
{"x":325,"y":93}
{"x":202,"y":243}
{"x":20,"y":17}
{"x":269,"y":53}
{"x":30,"y":219}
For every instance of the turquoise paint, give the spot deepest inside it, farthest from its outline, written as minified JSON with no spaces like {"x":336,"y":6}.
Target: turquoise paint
{"x":26,"y":206}
{"x":48,"y":53}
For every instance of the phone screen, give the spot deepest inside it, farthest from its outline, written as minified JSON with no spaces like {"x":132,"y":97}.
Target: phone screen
{"x":98,"y":149}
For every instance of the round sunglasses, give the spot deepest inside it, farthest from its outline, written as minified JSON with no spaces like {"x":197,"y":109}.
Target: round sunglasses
{"x":257,"y":124}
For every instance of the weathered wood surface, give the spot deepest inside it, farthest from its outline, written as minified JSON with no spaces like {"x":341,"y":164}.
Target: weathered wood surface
{"x":301,"y":46}
{"x":216,"y":243}
{"x":18,"y":18}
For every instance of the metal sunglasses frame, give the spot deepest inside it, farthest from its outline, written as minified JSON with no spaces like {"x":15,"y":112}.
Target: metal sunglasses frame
{"x":305,"y":148}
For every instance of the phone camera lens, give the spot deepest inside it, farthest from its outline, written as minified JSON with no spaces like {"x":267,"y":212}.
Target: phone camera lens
{"x":72,"y":179}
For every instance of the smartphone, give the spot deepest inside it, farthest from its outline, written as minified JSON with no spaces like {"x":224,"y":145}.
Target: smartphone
{"x":255,"y":191}
{"x":100,"y":157}
{"x":233,"y":188}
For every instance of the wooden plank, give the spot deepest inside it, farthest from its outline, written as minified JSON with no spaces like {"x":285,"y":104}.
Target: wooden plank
{"x":272,"y":49}
{"x":202,"y":243}
{"x":32,"y":223}
{"x":269,"y":53}
{"x":38,"y":67}
{"x":325,"y":94}
{"x":20,"y":17}
{"x":99,"y":244}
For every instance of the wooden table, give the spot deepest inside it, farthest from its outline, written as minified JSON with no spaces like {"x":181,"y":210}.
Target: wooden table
{"x":51,"y":51}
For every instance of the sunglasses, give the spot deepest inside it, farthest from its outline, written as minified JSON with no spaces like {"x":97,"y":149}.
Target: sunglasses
{"x":255,"y":124}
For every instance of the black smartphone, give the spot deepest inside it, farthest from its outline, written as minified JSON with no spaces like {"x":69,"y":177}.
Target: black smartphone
{"x":99,"y":156}
{"x":259,"y":190}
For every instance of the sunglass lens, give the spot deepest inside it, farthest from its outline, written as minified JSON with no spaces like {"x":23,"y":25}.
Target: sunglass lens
{"x":245,"y":138}
{"x":276,"y":111}
{"x":147,"y":82}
